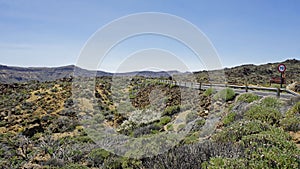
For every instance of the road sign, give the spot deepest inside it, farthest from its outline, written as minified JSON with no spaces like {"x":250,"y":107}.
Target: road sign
{"x":281,"y":68}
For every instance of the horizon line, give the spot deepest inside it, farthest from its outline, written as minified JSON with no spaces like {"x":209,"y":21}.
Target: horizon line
{"x":106,"y":71}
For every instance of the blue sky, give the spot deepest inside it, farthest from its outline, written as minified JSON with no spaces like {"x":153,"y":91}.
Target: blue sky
{"x":52,"y":32}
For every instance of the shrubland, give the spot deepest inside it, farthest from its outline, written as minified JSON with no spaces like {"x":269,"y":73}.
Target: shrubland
{"x":40,"y":126}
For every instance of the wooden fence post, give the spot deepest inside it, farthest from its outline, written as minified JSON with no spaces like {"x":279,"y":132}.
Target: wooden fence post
{"x":278,"y":92}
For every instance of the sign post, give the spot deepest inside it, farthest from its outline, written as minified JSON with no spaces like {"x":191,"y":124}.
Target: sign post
{"x":281,"y":68}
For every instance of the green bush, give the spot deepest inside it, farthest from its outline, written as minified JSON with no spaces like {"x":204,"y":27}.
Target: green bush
{"x":270,"y":138}
{"x":132,"y":96}
{"x":220,"y":163}
{"x":229,"y":118}
{"x":266,"y":158}
{"x":273,"y":157}
{"x":291,"y":121}
{"x":237,"y":130}
{"x":276,"y":85}
{"x":170,"y":127}
{"x":181,"y":126}
{"x":171,"y":110}
{"x":191,"y":138}
{"x":271,"y":149}
{"x":2,"y":123}
{"x":225,"y":95}
{"x":128,"y":163}
{"x":74,"y":166}
{"x":197,"y":125}
{"x":172,"y":86}
{"x":271,"y":102}
{"x":83,"y":139}
{"x":209,"y":92}
{"x":200,"y":122}
{"x":264,"y":146}
{"x":294,"y":111}
{"x":164,"y":120}
{"x":97,"y":156}
{"x":290,"y":124}
{"x":247,"y":97}
{"x":265,"y":114}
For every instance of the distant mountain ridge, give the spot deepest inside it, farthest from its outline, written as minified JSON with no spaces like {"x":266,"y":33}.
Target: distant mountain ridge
{"x":12,"y":74}
{"x":255,"y":74}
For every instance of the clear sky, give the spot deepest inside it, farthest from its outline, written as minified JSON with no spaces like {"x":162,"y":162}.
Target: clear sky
{"x":52,"y":32}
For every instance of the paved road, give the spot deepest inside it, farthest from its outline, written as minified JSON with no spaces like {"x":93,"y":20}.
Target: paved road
{"x":260,"y":92}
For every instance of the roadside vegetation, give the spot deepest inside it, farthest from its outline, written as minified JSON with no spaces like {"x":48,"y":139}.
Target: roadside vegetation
{"x":260,"y":131}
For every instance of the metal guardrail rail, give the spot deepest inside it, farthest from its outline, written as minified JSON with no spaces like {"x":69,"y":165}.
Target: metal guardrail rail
{"x":246,"y":87}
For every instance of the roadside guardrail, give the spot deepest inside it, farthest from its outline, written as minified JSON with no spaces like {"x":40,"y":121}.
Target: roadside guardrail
{"x":246,"y":87}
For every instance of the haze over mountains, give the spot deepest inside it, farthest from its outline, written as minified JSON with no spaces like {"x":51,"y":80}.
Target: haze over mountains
{"x":254,"y":73}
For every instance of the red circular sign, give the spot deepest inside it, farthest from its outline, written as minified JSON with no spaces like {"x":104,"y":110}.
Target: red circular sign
{"x":281,"y":68}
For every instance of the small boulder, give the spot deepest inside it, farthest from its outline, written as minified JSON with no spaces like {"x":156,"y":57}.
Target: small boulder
{"x":294,"y":87}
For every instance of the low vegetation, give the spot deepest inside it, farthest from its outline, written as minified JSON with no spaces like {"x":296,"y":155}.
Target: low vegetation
{"x":247,"y":97}
{"x":229,"y":118}
{"x":261,"y":136}
{"x":209,"y":92}
{"x":268,"y":115}
{"x":291,"y":121}
{"x":225,"y":95}
{"x":40,"y":126}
